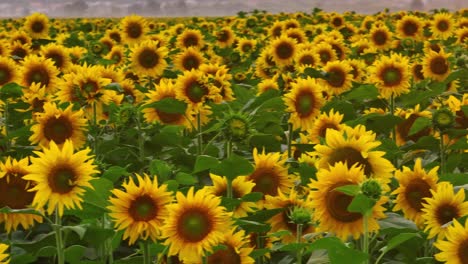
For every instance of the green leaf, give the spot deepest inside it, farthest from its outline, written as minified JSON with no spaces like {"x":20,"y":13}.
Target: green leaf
{"x":233,"y":166}
{"x":426,"y":142}
{"x":344,"y":107}
{"x":382,"y":123}
{"x":338,"y":252}
{"x":169,"y":105}
{"x":114,"y":173}
{"x":265,"y":141}
{"x":172,"y":185}
{"x":74,"y":253}
{"x":8,"y":210}
{"x":363,"y":91}
{"x":456,"y":179}
{"x":80,"y":230}
{"x":351,"y":190}
{"x":361,"y":204}
{"x":263,"y":215}
{"x":419,"y":124}
{"x":314,"y":73}
{"x":47,"y":251}
{"x":393,"y":220}
{"x":397,"y":240}
{"x":256,"y":253}
{"x":230,"y":203}
{"x":306,"y":172}
{"x":252,"y":197}
{"x":161,"y":169}
{"x":294,"y":247}
{"x":280,"y":233}
{"x":185,"y":178}
{"x":253,"y":226}
{"x":204,"y":162}
{"x":11,"y":90}
{"x":95,"y":235}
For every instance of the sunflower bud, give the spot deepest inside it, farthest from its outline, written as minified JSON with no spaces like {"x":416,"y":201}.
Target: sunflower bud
{"x":372,"y":189}
{"x":236,"y":127}
{"x":443,"y":119}
{"x":300,"y":216}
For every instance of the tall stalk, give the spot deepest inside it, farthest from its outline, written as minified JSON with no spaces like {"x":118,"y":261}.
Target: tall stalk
{"x":298,"y":240}
{"x":442,"y":154}
{"x":290,"y":131}
{"x":365,"y":246}
{"x":146,"y":252}
{"x":228,"y":180}
{"x":199,"y":137}
{"x":59,"y":238}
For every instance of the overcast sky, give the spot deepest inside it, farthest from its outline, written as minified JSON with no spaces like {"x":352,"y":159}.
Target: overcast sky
{"x":116,"y":8}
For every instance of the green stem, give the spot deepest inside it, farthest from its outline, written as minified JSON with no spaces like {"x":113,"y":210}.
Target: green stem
{"x":228,"y":180}
{"x":442,"y":154}
{"x":365,"y":247}
{"x":260,"y":246}
{"x":146,"y":252}
{"x":392,"y":112}
{"x":200,"y":137}
{"x":289,"y":140}
{"x":168,"y":258}
{"x":95,"y":129}
{"x":298,"y":240}
{"x":5,"y":118}
{"x":141,"y":139}
{"x":59,"y":238}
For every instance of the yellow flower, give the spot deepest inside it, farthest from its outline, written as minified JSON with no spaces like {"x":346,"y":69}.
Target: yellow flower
{"x":39,"y":70}
{"x":409,"y":26}
{"x":190,"y":38}
{"x":283,"y":50}
{"x":60,"y":175}
{"x":391,"y":75}
{"x":190,"y":58}
{"x":237,"y":249}
{"x":444,"y":206}
{"x":195,"y":224}
{"x":453,"y":250}
{"x":339,"y":77}
{"x":436,"y":65}
{"x":4,"y":257}
{"x":134,"y":29}
{"x":442,"y":25}
{"x":8,"y":71}
{"x":148,"y":59}
{"x":414,"y":186}
{"x":37,"y":25}
{"x":140,"y":210}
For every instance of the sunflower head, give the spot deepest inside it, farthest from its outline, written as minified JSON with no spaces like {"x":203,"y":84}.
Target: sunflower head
{"x":236,"y":126}
{"x":283,"y":50}
{"x":436,"y":65}
{"x":190,"y":38}
{"x":134,"y":28}
{"x":443,"y":119}
{"x":454,"y":248}
{"x":8,"y":72}
{"x":37,"y":25}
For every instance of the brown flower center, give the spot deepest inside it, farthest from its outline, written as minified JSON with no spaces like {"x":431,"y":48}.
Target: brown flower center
{"x":148,"y":58}
{"x":351,"y":156}
{"x":5,"y":75}
{"x":284,"y":50}
{"x":439,"y":65}
{"x":56,"y":58}
{"x":325,"y":56}
{"x":266,"y":181}
{"x":446,"y":213}
{"x":305,"y":103}
{"x":337,"y":77}
{"x":380,"y":37}
{"x":417,"y":71}
{"x":37,"y":26}
{"x":415,"y":193}
{"x":58,"y":129}
{"x":134,"y":30}
{"x":225,"y":256}
{"x":14,"y":191}
{"x":19,"y":52}
{"x":115,"y":36}
{"x":391,"y":76}
{"x":337,"y":21}
{"x":195,"y":91}
{"x":307,"y":59}
{"x":463,"y":252}
{"x":194,"y":225}
{"x":38,"y":74}
{"x":143,"y":208}
{"x":443,"y":25}
{"x":62,"y":179}
{"x":410,"y":28}
{"x":190,"y":40}
{"x":337,"y":205}
{"x":190,"y":62}
{"x":322,"y":132}
{"x":223,"y":36}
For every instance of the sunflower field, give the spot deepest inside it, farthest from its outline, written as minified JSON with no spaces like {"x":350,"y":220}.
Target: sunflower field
{"x":308,"y":137}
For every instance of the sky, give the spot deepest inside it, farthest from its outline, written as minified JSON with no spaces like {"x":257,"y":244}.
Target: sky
{"x":117,"y":8}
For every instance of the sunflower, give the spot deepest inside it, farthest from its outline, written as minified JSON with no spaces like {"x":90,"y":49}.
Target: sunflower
{"x":195,"y":224}
{"x":331,"y":206}
{"x":297,"y":34}
{"x":58,"y":54}
{"x":116,"y":55}
{"x":303,"y":102}
{"x":359,"y":69}
{"x":194,"y":88}
{"x":148,"y":60}
{"x":454,"y":248}
{"x":165,"y":89}
{"x":322,"y":123}
{"x":270,"y":174}
{"x":306,"y":58}
{"x":282,"y":220}
{"x":35,"y":96}
{"x":114,"y":34}
{"x":188,"y":59}
{"x":60,"y":176}
{"x":21,"y":36}
{"x":225,"y":37}
{"x":444,"y":206}
{"x":354,"y":146}
{"x":417,"y":72}
{"x":134,"y":29}
{"x":37,"y":25}
{"x":409,"y":26}
{"x":462,"y":36}
{"x":237,"y":249}
{"x":8,"y":71}
{"x":4,"y":256}
{"x":381,"y":37}
{"x":339,"y":77}
{"x":436,"y":65}
{"x":39,"y":70}
{"x":442,"y":25}
{"x":276,"y":29}
{"x":14,"y":194}
{"x":391,"y":75}
{"x":245,"y":46}
{"x":283,"y":50}
{"x":339,"y":47}
{"x":190,"y":38}
{"x":130,"y":92}
{"x":325,"y":52}
{"x":59,"y":125}
{"x":336,"y":20}
{"x":414,"y":186}
{"x":140,"y":209}
{"x":240,"y":187}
